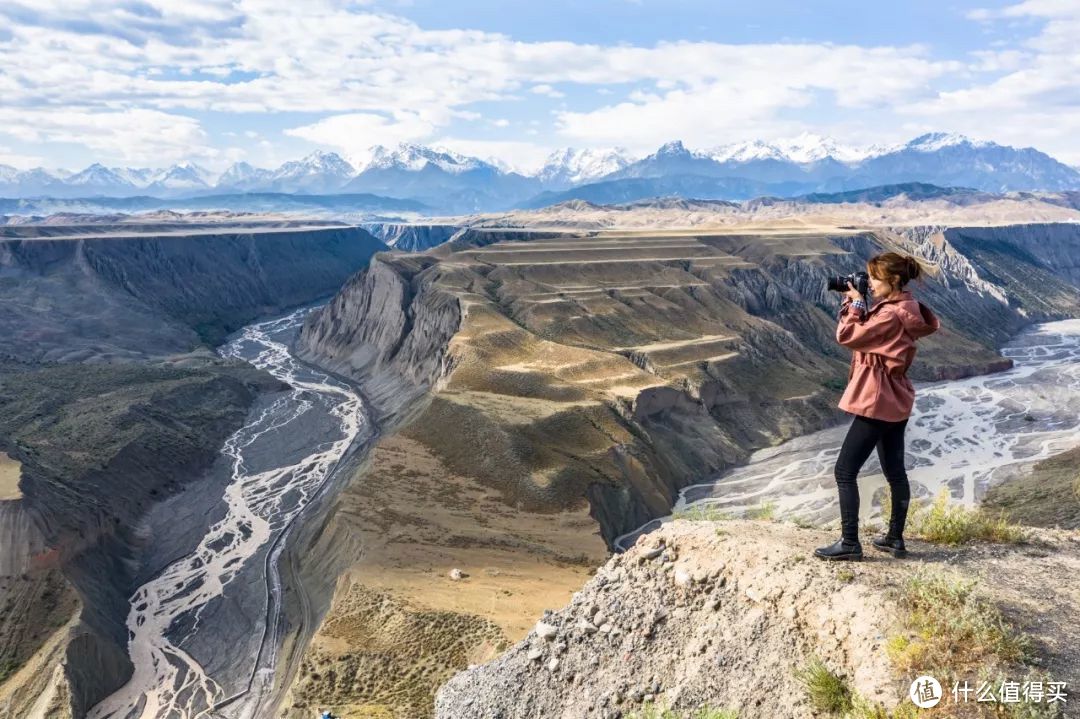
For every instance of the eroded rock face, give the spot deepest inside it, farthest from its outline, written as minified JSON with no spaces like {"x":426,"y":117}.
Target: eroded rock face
{"x":413,"y":237}
{"x":389,"y":327}
{"x":722,"y":614}
{"x":132,"y":298}
{"x":100,"y":447}
{"x":108,"y":430}
{"x":664,"y":357}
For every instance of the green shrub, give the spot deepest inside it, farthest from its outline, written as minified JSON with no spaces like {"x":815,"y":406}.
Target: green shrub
{"x":827,"y":692}
{"x":947,"y":523}
{"x":949,"y":627}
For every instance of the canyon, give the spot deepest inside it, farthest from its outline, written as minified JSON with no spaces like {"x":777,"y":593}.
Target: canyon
{"x":117,"y":408}
{"x":535,"y":390}
{"x":570,"y":382}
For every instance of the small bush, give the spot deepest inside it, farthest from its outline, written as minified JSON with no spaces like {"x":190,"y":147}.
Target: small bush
{"x":863,"y":709}
{"x":947,"y":523}
{"x":827,"y":692}
{"x":949,"y":628}
{"x":835,"y":383}
{"x":765,"y":510}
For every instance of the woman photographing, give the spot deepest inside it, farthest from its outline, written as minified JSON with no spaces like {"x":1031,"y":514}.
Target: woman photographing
{"x":879,"y":394}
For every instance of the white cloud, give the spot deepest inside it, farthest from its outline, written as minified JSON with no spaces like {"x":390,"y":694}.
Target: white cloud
{"x":135,"y":136}
{"x":753,"y":97}
{"x":547,"y":90}
{"x":18,"y":160}
{"x":1032,"y":98}
{"x":354,"y":132}
{"x":380,"y":78}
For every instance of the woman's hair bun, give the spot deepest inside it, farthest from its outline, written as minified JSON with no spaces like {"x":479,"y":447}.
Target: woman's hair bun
{"x":914,"y":268}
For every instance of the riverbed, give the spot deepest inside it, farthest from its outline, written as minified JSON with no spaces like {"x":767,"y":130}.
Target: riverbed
{"x":279,"y":463}
{"x":963,"y":437}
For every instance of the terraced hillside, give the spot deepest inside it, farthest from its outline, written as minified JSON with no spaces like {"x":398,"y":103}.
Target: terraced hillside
{"x":588,"y":374}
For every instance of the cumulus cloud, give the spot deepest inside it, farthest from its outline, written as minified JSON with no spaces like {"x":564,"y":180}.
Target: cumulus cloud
{"x":375,"y":77}
{"x":355,"y":131}
{"x":1032,"y":98}
{"x":137,"y":136}
{"x":545,"y":89}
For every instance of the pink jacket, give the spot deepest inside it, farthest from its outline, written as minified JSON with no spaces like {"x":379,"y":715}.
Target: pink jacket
{"x":883,"y":346}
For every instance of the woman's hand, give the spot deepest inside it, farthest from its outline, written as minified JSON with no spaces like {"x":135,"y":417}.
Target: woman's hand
{"x":852,"y":292}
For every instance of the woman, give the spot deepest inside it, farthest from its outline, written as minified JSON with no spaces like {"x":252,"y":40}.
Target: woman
{"x":879,"y":394}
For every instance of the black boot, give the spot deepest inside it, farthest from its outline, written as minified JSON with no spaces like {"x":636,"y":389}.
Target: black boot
{"x":893,"y":540}
{"x":894,"y":546}
{"x":840,"y":550}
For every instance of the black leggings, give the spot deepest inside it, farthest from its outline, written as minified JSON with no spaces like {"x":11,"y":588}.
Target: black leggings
{"x":863,"y":436}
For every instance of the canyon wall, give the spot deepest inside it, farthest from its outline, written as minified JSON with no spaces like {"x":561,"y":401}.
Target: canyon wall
{"x":559,"y":374}
{"x":115,"y":406}
{"x":125,"y":298}
{"x":412,"y":237}
{"x":751,"y":358}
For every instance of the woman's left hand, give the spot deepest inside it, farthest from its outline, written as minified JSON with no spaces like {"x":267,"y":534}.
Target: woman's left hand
{"x":852,"y":292}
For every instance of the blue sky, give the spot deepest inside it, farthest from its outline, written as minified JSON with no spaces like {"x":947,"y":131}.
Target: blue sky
{"x":150,"y":82}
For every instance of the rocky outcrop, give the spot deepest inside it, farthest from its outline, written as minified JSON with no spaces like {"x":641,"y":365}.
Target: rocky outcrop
{"x":723,"y":615}
{"x":389,"y":328}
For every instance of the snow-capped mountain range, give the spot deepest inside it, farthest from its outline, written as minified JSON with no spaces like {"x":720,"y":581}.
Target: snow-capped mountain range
{"x":449,"y":181}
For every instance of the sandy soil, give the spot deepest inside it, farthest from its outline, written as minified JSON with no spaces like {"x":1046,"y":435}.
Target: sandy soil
{"x":517,"y":563}
{"x":9,"y":478}
{"x":399,"y":607}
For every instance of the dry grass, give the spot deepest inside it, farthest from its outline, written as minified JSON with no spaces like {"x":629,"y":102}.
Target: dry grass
{"x":703,"y":513}
{"x":943,"y":522}
{"x":765,"y":510}
{"x":949,"y":628}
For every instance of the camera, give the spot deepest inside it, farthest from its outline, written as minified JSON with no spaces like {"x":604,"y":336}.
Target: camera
{"x":858,"y":280}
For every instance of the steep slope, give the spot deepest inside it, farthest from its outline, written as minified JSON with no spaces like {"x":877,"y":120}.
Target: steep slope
{"x":596,"y":373}
{"x":116,"y":412}
{"x":65,"y":298}
{"x":725,"y":614}
{"x":412,"y":237}
{"x":100,"y":447}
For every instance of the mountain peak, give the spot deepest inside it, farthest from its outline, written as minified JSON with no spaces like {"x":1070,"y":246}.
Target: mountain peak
{"x":572,"y":166}
{"x":672,"y":148}
{"x":414,"y":157}
{"x":934,"y":141}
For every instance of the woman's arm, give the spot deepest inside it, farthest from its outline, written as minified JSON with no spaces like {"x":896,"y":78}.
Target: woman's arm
{"x":866,"y":335}
{"x":858,"y":304}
